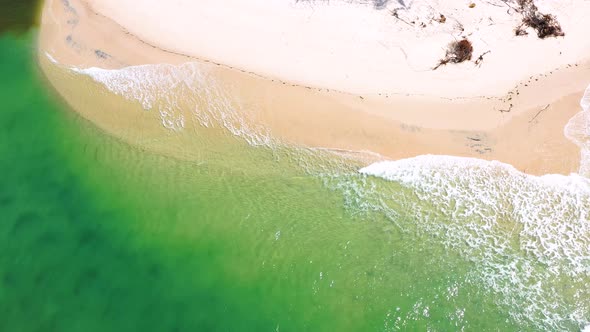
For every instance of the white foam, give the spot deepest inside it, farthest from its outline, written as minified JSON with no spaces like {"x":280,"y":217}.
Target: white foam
{"x":51,"y":58}
{"x":177,"y":90}
{"x":586,"y":329}
{"x":553,"y":211}
{"x":577,"y":130}
{"x":528,"y":235}
{"x":585,"y":102}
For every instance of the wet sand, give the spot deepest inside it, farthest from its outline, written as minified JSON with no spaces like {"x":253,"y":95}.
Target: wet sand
{"x":528,"y":134}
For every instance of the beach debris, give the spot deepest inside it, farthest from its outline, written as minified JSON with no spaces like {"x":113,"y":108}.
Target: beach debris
{"x":507,"y":110}
{"x":479,"y":143}
{"x":546,"y":25}
{"x":457,"y":52}
{"x":539,"y":113}
{"x":479,"y":60}
{"x":441,"y":19}
{"x":101,"y":54}
{"x":395,"y":14}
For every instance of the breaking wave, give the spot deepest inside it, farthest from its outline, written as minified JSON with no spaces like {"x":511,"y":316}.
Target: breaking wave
{"x":170,"y":89}
{"x":578,"y":131}
{"x":528,"y":236}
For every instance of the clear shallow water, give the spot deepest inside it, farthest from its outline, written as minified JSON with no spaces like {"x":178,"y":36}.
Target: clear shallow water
{"x":100,"y":235}
{"x":529,"y":236}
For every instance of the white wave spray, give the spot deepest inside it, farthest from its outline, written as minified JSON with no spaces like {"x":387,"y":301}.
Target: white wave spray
{"x":528,"y":236}
{"x":168,"y":89}
{"x":578,"y":131}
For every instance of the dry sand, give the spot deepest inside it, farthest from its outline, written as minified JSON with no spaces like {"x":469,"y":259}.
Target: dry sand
{"x":512,"y":108}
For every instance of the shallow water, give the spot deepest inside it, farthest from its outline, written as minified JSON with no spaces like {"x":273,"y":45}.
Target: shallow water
{"x":252,"y":235}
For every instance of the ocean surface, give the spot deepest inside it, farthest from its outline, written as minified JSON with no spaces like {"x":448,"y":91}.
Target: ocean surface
{"x":246,"y":233}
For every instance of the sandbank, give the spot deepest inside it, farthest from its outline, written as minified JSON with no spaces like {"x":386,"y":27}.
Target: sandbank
{"x":350,"y":76}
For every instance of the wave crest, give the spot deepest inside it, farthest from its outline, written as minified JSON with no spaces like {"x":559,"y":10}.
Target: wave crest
{"x":529,"y":236}
{"x":172,"y":90}
{"x":577,"y":130}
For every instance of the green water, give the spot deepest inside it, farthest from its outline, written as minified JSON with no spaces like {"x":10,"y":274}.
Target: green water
{"x":97,"y":235}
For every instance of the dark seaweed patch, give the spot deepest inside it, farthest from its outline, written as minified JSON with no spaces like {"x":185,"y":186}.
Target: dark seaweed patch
{"x":546,"y":25}
{"x":457,"y":52}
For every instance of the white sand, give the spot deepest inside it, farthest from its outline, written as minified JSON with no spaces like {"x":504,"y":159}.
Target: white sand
{"x":356,"y":48}
{"x":401,"y":123}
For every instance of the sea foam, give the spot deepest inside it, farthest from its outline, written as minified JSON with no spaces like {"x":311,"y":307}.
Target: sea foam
{"x":176,"y":90}
{"x":51,"y":58}
{"x":577,"y":130}
{"x":529,"y":236}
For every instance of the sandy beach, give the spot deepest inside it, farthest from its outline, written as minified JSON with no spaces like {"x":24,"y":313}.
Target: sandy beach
{"x":295,"y":165}
{"x":367,"y":85}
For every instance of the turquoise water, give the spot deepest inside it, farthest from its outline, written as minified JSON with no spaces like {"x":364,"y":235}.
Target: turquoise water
{"x":99,"y":234}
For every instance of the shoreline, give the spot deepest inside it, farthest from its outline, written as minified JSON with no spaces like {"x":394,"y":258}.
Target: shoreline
{"x":529,"y":137}
{"x":352,"y":47}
